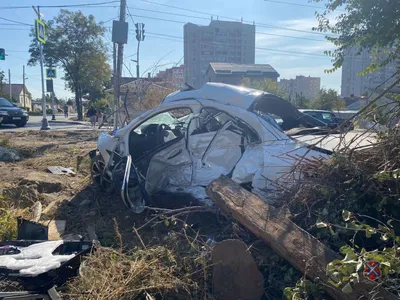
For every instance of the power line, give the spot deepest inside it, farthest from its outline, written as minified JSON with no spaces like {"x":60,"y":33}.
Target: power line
{"x":296,"y":4}
{"x":299,"y":4}
{"x":16,"y":22}
{"x":204,"y":18}
{"x":64,"y":5}
{"x":235,"y":19}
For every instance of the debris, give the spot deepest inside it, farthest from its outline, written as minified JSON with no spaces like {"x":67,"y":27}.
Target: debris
{"x":297,"y":246}
{"x":56,"y":229}
{"x":52,"y":207}
{"x":9,"y":155}
{"x":91,"y":233}
{"x":36,"y":211}
{"x":23,"y":196}
{"x":61,"y":170}
{"x":28,"y":230}
{"x":44,"y":183}
{"x":235,"y":273}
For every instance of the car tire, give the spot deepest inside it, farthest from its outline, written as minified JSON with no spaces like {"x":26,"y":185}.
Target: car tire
{"x":20,"y":124}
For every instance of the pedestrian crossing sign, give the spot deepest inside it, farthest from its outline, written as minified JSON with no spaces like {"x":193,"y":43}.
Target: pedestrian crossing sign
{"x":40,"y":31}
{"x":51,"y":73}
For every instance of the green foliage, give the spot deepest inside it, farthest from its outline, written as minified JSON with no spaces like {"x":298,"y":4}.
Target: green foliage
{"x":363,"y":24}
{"x":328,"y":100}
{"x":74,"y":42}
{"x":266,"y":85}
{"x":100,"y":104}
{"x":303,"y":289}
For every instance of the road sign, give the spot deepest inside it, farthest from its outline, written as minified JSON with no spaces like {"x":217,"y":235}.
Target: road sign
{"x":40,"y":31}
{"x":49,"y":86}
{"x":51,"y":73}
{"x":2,"y":54}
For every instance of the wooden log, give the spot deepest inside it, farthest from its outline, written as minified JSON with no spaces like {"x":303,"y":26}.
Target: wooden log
{"x":302,"y":250}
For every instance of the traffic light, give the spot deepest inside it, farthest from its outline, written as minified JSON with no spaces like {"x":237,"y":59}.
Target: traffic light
{"x":143,"y":36}
{"x":137,"y":31}
{"x":2,"y":54}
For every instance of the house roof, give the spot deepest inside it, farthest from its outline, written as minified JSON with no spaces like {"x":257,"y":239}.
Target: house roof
{"x":16,"y":89}
{"x":242,"y":69}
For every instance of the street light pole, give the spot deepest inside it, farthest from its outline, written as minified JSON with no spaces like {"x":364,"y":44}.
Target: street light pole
{"x":45,"y":123}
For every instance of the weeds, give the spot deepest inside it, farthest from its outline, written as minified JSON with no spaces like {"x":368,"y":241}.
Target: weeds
{"x":5,"y":141}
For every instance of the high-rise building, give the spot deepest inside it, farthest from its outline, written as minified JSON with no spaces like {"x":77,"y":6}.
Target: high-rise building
{"x":356,"y":84}
{"x":221,"y":41}
{"x":305,"y":86}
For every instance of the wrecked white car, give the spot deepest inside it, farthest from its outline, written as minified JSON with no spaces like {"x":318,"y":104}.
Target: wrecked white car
{"x":194,"y":136}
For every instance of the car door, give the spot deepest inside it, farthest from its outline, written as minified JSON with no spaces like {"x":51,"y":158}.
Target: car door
{"x":164,"y":162}
{"x":214,"y":145}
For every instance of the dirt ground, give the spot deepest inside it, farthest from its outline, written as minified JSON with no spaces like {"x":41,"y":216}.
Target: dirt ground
{"x":95,"y":215}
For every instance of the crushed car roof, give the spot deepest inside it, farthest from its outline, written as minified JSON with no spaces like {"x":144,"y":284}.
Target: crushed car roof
{"x":219,"y":92}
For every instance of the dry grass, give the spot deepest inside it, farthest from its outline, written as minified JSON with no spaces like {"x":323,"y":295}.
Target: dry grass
{"x":8,"y":219}
{"x":112,"y":274}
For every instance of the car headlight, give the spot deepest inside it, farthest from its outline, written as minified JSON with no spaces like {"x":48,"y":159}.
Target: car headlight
{"x":24,"y":113}
{"x":3,"y":113}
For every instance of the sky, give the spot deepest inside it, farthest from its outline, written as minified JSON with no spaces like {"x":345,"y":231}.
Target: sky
{"x":284,"y":37}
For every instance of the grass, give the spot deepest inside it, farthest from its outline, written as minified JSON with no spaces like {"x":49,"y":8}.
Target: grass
{"x":5,"y":141}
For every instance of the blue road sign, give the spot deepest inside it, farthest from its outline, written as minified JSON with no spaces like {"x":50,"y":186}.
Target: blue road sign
{"x":51,"y":73}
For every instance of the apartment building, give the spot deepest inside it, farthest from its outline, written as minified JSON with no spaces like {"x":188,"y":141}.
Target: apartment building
{"x":220,"y":41}
{"x":355,"y":84}
{"x":306,"y":86}
{"x":174,"y":75}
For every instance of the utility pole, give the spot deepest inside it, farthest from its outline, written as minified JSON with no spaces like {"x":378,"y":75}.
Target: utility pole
{"x":120,"y":57}
{"x":139,"y":37}
{"x":23,"y":83}
{"x":9,"y":83}
{"x":45,"y":123}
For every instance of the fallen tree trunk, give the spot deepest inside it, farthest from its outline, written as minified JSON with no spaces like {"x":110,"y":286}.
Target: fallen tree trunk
{"x":297,"y":246}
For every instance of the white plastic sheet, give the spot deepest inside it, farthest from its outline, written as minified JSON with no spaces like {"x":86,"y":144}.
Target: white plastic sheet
{"x":35,"y":259}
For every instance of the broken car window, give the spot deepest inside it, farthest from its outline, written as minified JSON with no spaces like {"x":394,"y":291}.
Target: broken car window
{"x":158,"y":130}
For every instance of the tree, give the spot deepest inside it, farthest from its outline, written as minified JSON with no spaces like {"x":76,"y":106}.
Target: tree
{"x":365,"y":24}
{"x":266,"y":85}
{"x":74,"y":43}
{"x":328,"y":99}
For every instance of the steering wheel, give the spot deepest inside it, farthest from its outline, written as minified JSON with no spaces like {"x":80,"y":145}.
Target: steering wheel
{"x":161,"y":132}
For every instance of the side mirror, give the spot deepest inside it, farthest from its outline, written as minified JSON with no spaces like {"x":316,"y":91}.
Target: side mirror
{"x":15,"y":105}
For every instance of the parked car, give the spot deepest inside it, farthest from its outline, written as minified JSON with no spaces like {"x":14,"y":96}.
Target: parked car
{"x":329,"y":118}
{"x":194,"y":136}
{"x":11,"y":114}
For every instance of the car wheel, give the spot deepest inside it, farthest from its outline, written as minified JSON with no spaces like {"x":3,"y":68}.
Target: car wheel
{"x":100,"y":176}
{"x":21,"y":124}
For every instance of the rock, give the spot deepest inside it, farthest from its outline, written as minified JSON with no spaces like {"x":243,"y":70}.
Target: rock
{"x":23,"y":196}
{"x":235,"y":273}
{"x":45,"y":183}
{"x":9,"y":155}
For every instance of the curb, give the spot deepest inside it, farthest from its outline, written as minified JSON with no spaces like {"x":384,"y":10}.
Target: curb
{"x":67,"y":122}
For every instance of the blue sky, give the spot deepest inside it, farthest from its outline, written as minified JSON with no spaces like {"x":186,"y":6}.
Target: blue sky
{"x":284,"y":48}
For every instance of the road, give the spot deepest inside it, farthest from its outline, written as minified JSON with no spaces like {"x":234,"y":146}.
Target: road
{"x":35,"y":123}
